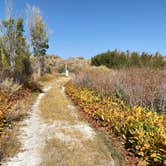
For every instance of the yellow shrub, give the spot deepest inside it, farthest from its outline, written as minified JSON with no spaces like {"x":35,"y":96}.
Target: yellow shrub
{"x":143,"y":131}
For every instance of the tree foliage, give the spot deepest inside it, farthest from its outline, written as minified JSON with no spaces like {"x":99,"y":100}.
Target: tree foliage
{"x":39,"y":36}
{"x":115,"y":59}
{"x":23,"y":54}
{"x":14,"y":50}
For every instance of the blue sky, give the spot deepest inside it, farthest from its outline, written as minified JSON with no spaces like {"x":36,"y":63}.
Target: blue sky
{"x":88,"y":27}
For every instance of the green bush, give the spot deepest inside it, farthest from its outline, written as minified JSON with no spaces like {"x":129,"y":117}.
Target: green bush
{"x":115,"y":59}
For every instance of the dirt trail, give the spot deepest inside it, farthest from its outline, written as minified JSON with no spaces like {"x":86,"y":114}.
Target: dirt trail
{"x":55,"y":135}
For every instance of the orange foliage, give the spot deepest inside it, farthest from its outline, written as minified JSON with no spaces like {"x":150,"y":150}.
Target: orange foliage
{"x":7,"y":101}
{"x":144,"y":132}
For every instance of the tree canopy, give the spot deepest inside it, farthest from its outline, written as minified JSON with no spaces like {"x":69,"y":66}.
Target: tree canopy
{"x":115,"y":59}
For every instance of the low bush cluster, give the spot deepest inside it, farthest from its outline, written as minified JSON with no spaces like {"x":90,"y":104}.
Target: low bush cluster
{"x":135,"y":86}
{"x":144,"y":132}
{"x":10,"y":93}
{"x":9,"y":85}
{"x":7,"y":102}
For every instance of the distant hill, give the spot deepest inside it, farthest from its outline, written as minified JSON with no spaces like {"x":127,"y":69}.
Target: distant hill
{"x":56,"y":63}
{"x":75,"y":63}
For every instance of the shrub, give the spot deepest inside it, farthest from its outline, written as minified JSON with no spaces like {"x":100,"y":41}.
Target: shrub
{"x":48,"y":77}
{"x":33,"y":86}
{"x":144,"y":132}
{"x":115,"y":59}
{"x":143,"y":87}
{"x":10,"y":86}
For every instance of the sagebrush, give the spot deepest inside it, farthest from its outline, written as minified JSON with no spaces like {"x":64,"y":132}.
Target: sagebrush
{"x":142,"y":87}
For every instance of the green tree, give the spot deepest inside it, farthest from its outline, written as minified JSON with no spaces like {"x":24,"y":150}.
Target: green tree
{"x":134,"y":60}
{"x":145,"y":59}
{"x":14,"y":49}
{"x":39,"y":37}
{"x":4,"y":61}
{"x":158,"y":61}
{"x":9,"y":41}
{"x":115,"y":59}
{"x":22,"y":59}
{"x":122,"y":60}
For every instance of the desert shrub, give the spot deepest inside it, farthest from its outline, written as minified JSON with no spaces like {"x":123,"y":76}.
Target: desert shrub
{"x":33,"y":86}
{"x":11,"y":75}
{"x":142,"y":87}
{"x":5,"y":74}
{"x":9,"y":85}
{"x":23,"y":65}
{"x":47,"y":77}
{"x":10,"y":93}
{"x":52,"y":63}
{"x":144,"y":132}
{"x":75,"y":64}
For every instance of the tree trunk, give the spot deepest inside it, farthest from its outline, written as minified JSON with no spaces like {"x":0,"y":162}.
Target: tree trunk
{"x":12,"y":61}
{"x":40,"y":66}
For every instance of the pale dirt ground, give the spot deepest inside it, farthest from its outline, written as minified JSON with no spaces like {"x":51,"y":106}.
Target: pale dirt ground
{"x":55,"y":135}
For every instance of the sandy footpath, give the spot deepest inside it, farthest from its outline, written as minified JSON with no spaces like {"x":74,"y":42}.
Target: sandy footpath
{"x":74,"y":139}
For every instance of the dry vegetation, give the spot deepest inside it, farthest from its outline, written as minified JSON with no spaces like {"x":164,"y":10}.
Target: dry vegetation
{"x":53,"y":63}
{"x":15,"y":101}
{"x":61,"y":153}
{"x":124,"y":102}
{"x":143,"y":87}
{"x":56,"y":109}
{"x":10,"y":93}
{"x":9,"y":144}
{"x":67,"y":143}
{"x":77,"y":63}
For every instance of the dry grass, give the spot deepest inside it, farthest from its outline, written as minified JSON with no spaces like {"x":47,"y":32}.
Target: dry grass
{"x":70,"y":147}
{"x":117,"y":155}
{"x":48,"y":78}
{"x":9,"y":144}
{"x":142,"y":87}
{"x":90,"y":153}
{"x":20,"y":109}
{"x":54,"y":105}
{"x":51,"y":64}
{"x":75,"y":64}
{"x":9,"y":85}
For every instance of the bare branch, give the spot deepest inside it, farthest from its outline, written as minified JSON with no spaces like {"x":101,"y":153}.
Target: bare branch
{"x":9,"y":8}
